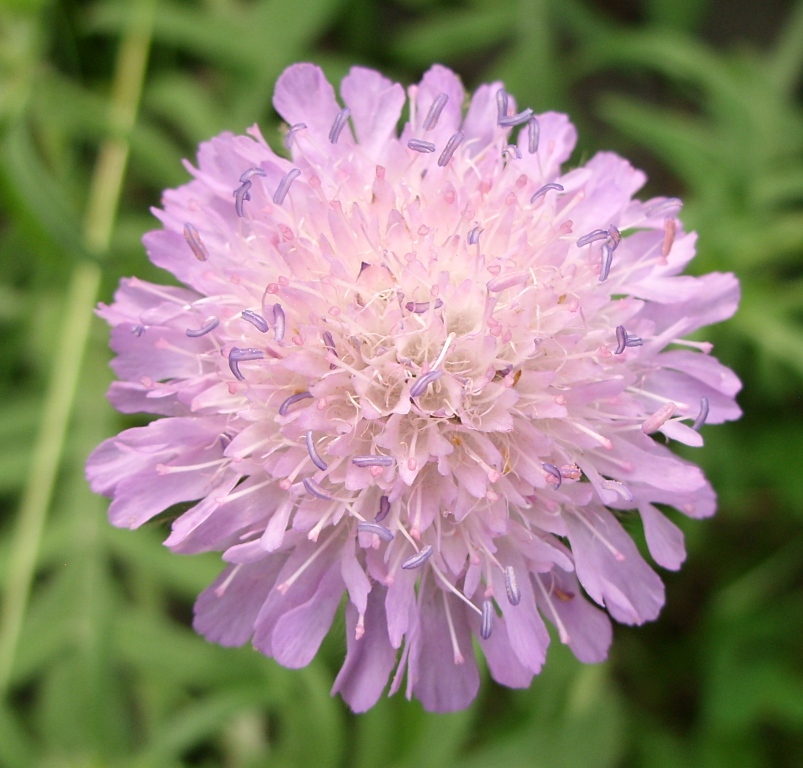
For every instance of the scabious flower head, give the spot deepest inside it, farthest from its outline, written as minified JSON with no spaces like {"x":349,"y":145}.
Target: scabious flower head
{"x":429,"y":371}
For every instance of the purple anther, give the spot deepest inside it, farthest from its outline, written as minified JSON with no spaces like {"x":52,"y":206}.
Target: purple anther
{"x":384,"y":509}
{"x":541,"y":192}
{"x":625,"y":339}
{"x":194,"y":241}
{"x":512,"y":586}
{"x":278,"y":322}
{"x":372,"y":461}
{"x":533,"y":134}
{"x":138,"y":330}
{"x":314,"y":489}
{"x":615,"y":236}
{"x":284,"y":185}
{"x":551,"y":469}
{"x":384,"y":533}
{"x":241,"y":194}
{"x":419,"y":307}
{"x":702,"y":415}
{"x":501,"y":105}
{"x":259,"y":322}
{"x":210,"y":325}
{"x":418,"y":559}
{"x":251,"y":172}
{"x":502,"y":282}
{"x":329,"y":342}
{"x":292,"y":400}
{"x":422,"y":382}
{"x":339,"y":124}
{"x":451,"y":146}
{"x":431,"y":120}
{"x":474,"y":236}
{"x":511,"y":150}
{"x":294,"y":129}
{"x":518,"y":119}
{"x":592,"y":237}
{"x":238,"y":355}
{"x":313,"y":452}
{"x":419,"y":145}
{"x":607,"y":258}
{"x":487,"y":625}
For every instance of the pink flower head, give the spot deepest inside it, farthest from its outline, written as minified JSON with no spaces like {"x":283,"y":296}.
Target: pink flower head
{"x":429,"y":371}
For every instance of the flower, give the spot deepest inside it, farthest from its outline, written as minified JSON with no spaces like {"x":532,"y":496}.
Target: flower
{"x":429,"y":371}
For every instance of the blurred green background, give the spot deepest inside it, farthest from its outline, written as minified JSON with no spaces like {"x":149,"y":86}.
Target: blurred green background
{"x":100,"y":100}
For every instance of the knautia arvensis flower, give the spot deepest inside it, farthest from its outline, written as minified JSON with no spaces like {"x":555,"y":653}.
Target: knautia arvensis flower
{"x":429,"y":371}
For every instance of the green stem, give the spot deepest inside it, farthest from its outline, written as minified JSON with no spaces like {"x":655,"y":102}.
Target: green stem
{"x":99,"y":220}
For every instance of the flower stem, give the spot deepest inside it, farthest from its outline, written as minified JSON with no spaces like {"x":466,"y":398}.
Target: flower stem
{"x":62,"y":385}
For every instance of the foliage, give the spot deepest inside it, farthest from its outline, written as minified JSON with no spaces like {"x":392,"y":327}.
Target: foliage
{"x":98,"y":103}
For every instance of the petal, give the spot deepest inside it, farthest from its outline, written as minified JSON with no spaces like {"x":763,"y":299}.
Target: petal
{"x":376,"y":104}
{"x":369,"y":659}
{"x":664,"y":538}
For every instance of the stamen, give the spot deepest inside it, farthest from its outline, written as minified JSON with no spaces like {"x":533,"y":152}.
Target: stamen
{"x":591,"y":237}
{"x":251,"y":172}
{"x":241,"y":194}
{"x":451,"y":146}
{"x":512,"y":586}
{"x":138,"y":330}
{"x":511,"y":150}
{"x":278,"y":322}
{"x":533,"y":134}
{"x":508,"y":121}
{"x":259,"y":322}
{"x":615,"y":235}
{"x":501,"y":105}
{"x":418,"y":559}
{"x":555,"y":472}
{"x":670,"y":228}
{"x":474,"y":236}
{"x":702,"y":415}
{"x":541,"y":192}
{"x":314,"y":489}
{"x":619,"y":488}
{"x":284,"y":185}
{"x":194,"y":241}
{"x":339,"y":124}
{"x":657,"y":420}
{"x":294,"y":129}
{"x":313,"y":453}
{"x":238,"y":355}
{"x":607,"y":258}
{"x":419,"y":307}
{"x":384,"y":509}
{"x":422,"y":382}
{"x":435,"y":110}
{"x":209,"y":325}
{"x":372,"y":461}
{"x":665,"y":205}
{"x":487,"y":625}
{"x":624,"y":339}
{"x":507,"y":281}
{"x":292,"y":400}
{"x":329,"y":342}
{"x":384,"y":533}
{"x":419,"y":145}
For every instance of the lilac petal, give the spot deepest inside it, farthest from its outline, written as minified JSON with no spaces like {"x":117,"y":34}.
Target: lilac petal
{"x":584,"y":628}
{"x":226,"y":610}
{"x":369,"y":660}
{"x":442,"y":683}
{"x":664,"y":538}
{"x":376,"y":104}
